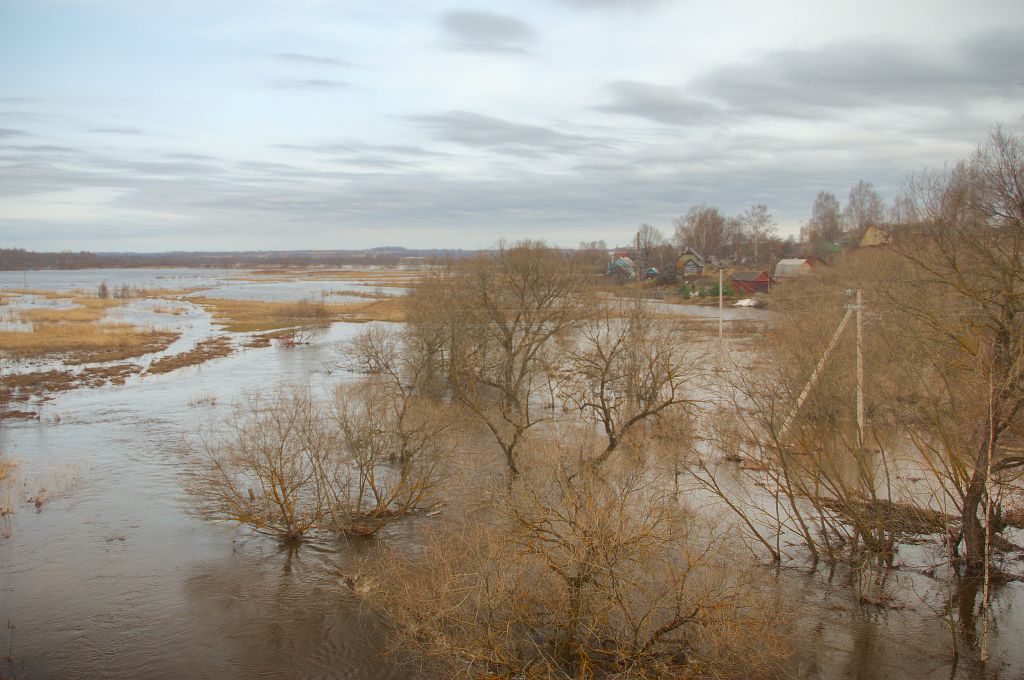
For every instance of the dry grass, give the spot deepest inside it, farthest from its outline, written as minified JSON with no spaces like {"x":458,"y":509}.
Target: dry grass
{"x":48,"y":294}
{"x":242,"y":316}
{"x":176,"y":311}
{"x":204,"y":351}
{"x":7,"y":467}
{"x":381,"y":277}
{"x":85,"y":341}
{"x":24,"y":386}
{"x":51,"y":315}
{"x":389,"y":309}
{"x":15,"y":415}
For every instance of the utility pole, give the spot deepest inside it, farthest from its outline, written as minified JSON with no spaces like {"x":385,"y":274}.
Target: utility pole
{"x":814,"y":376}
{"x":860,"y":368}
{"x":721,"y":304}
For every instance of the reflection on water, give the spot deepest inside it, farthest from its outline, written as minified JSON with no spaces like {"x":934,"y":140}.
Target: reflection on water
{"x":114,"y":579}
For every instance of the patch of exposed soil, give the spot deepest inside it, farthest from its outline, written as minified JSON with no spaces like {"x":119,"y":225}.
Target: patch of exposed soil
{"x":212,"y":348}
{"x":37,"y":384}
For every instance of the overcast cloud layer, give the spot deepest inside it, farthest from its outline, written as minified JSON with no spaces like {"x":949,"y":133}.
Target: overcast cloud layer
{"x":214,"y":124}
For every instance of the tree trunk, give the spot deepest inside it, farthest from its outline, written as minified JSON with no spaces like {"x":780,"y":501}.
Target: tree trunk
{"x":973,"y":530}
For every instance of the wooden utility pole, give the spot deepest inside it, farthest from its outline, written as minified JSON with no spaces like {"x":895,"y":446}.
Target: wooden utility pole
{"x":721,"y":304}
{"x":814,"y":376}
{"x":860,"y":369}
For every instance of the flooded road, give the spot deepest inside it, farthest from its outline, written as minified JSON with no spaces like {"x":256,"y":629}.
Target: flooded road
{"x":112,"y":577}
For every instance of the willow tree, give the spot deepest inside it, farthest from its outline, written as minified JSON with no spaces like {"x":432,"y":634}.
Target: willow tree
{"x":964,"y":298}
{"x":495,"y":317}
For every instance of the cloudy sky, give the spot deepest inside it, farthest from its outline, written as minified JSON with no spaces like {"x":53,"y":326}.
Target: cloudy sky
{"x":293,"y":124}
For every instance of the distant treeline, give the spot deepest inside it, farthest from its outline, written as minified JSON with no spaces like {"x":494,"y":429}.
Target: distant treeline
{"x":17,"y":259}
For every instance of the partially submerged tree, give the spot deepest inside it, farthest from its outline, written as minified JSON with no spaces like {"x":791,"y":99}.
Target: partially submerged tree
{"x":262,"y":469}
{"x":579,"y":576}
{"x":495,"y":318}
{"x":964,"y":295}
{"x":290,"y":462}
{"x":625,"y":369}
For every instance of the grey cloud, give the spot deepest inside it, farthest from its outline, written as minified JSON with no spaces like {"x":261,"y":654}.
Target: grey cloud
{"x":310,"y":84}
{"x":119,"y":130}
{"x":184,"y":156}
{"x":359,"y":147}
{"x":8,"y":132}
{"x":801,"y":83}
{"x":473,"y":129}
{"x":832,"y":80}
{"x":42,"y":148}
{"x":486,"y":32}
{"x":312,"y":59}
{"x":615,"y":4}
{"x":661,"y":104}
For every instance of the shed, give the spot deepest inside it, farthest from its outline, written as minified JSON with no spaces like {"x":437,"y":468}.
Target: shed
{"x":690,"y":263}
{"x":622,"y":268}
{"x":750,"y":282}
{"x":797,"y":266}
{"x":875,"y":236}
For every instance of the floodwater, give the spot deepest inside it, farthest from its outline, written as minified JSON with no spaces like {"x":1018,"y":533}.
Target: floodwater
{"x":112,"y":578}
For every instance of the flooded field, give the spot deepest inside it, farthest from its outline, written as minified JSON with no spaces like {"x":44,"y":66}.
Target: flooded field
{"x":104,"y":573}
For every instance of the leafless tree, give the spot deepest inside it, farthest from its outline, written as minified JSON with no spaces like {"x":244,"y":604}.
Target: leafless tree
{"x":497,"y":317}
{"x":760,"y":226}
{"x":903,"y":210}
{"x":391,"y":460}
{"x":703,"y":227}
{"x":826,"y":223}
{"x":290,"y":462}
{"x":262,"y":470}
{"x":963,"y":294}
{"x":579,"y":576}
{"x":864,"y":208}
{"x":625,"y":369}
{"x":647,"y":241}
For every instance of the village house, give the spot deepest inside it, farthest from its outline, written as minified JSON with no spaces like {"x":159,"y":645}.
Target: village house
{"x":750,"y":282}
{"x":690,"y":263}
{"x":791,"y":268}
{"x":875,"y":236}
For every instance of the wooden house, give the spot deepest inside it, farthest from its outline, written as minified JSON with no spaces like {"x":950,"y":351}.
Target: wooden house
{"x":750,"y":282}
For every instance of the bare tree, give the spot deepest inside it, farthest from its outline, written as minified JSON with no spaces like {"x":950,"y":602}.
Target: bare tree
{"x":703,"y":227}
{"x":826,"y":224}
{"x":579,"y":576}
{"x":287,"y":465}
{"x":903,"y":210}
{"x":963,"y":294}
{"x":262,"y":470}
{"x":760,"y":226}
{"x":498,"y":316}
{"x":391,"y":461}
{"x":647,"y":241}
{"x":864,"y":208}
{"x":626,"y":369}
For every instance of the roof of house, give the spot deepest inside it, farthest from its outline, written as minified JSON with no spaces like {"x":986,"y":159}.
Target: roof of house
{"x":793,"y":266}
{"x":693,"y":254}
{"x":748,"y":276}
{"x":621,"y":263}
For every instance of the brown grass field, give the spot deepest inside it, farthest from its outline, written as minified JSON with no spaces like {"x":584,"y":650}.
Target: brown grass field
{"x":242,"y":316}
{"x":85,"y":341}
{"x":212,"y":348}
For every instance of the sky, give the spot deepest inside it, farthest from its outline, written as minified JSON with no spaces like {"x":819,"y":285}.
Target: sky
{"x":130,"y":125}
